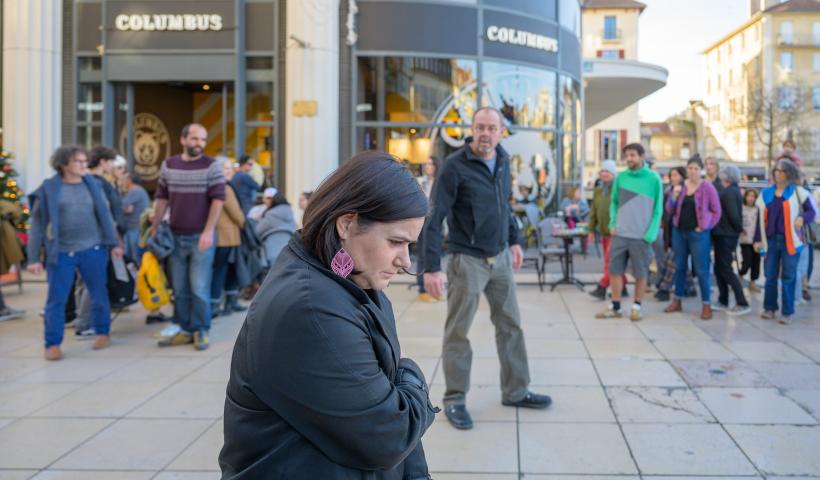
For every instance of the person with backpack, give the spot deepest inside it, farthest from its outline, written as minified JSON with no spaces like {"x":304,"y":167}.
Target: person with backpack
{"x":725,"y":237}
{"x":71,"y":221}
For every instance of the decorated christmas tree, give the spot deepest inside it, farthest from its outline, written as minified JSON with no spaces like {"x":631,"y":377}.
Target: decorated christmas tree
{"x":9,"y":190}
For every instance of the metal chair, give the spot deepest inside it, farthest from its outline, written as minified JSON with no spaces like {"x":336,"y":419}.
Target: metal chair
{"x":549,"y":248}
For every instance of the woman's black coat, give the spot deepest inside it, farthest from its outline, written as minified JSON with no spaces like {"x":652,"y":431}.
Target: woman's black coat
{"x":318,"y":389}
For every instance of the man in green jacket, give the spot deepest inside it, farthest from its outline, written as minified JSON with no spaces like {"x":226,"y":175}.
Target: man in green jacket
{"x":635,"y":217}
{"x":599,"y":221}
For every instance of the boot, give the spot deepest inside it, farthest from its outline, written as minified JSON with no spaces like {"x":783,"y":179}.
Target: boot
{"x":706,"y":313}
{"x":231,"y":304}
{"x":599,"y":292}
{"x":675,"y":306}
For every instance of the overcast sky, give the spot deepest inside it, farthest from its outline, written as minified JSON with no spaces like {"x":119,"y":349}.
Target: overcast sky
{"x":672,"y":33}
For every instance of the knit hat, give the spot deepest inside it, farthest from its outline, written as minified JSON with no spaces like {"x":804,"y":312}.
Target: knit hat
{"x":269,"y":192}
{"x":609,"y":166}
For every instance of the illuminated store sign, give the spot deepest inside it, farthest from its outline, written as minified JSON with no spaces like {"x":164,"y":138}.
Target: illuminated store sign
{"x":522,"y":38}
{"x":168,"y":23}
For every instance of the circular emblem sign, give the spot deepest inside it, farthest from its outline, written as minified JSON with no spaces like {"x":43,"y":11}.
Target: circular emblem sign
{"x":151,"y":145}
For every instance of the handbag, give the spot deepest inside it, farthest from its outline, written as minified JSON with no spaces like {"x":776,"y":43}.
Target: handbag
{"x":809,"y":230}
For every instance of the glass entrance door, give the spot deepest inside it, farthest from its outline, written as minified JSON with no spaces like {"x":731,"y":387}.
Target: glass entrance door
{"x":150,"y":117}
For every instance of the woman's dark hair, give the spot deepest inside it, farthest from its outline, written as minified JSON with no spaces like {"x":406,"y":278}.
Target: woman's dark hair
{"x":696,"y":160}
{"x":100,"y":153}
{"x":276,"y":200}
{"x":373,"y":185}
{"x":436,"y":163}
{"x":681,"y":171}
{"x":63,"y":155}
{"x":746,"y":194}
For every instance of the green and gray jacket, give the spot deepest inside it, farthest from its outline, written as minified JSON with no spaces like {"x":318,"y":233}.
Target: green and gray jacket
{"x":637,"y":204}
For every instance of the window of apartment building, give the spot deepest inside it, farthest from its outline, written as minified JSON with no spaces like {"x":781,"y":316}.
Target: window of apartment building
{"x":816,"y":32}
{"x":786,"y":60}
{"x":610,"y":54}
{"x":610,"y":27}
{"x":731,"y":78}
{"x":815,"y":97}
{"x":743,"y":40}
{"x":718,"y":82}
{"x":667,"y":151}
{"x":708,"y":87}
{"x":786,"y":32}
{"x":816,"y":61}
{"x":786,"y":97}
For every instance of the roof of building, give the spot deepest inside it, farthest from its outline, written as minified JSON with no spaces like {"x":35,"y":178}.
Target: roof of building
{"x":795,"y":6}
{"x":791,"y":6}
{"x":614,"y":4}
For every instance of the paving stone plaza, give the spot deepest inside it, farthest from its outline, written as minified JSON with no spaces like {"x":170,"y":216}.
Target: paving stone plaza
{"x":670,"y":396}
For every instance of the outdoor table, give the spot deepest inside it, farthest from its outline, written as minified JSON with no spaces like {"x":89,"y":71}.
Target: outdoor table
{"x":567,"y":267}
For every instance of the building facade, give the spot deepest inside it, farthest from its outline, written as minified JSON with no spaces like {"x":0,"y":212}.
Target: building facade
{"x":610,"y":45}
{"x":300,"y":85}
{"x":763,"y":85}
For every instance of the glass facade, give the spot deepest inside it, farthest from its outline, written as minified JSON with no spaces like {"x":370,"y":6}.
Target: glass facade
{"x":414,"y":104}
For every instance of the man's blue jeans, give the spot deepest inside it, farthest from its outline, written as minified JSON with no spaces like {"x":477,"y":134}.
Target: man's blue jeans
{"x":779,"y":263}
{"x":92,"y":264}
{"x":699,"y":246}
{"x":191,"y":272}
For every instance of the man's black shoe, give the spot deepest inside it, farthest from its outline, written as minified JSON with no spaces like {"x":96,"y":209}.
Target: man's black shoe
{"x":662,"y":295}
{"x":458,"y":416}
{"x":530,"y":400}
{"x":599,"y":292}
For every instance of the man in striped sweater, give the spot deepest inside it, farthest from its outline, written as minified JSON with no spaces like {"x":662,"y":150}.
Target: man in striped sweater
{"x":192,"y":185}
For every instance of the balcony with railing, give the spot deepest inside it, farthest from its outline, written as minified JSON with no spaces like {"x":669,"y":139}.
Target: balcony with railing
{"x":611,"y":35}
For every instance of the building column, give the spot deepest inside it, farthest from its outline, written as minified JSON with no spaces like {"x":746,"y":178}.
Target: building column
{"x":312,"y":75}
{"x":32,"y":56}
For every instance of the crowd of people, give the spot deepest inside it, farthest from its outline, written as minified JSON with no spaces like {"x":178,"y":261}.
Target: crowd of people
{"x":692,"y":229}
{"x":204,"y":227}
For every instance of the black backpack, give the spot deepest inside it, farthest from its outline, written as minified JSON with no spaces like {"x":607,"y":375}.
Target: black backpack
{"x":122,"y":285}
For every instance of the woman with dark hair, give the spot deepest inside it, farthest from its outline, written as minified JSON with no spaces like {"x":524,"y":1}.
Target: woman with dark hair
{"x":751,"y":257}
{"x":666,"y":265}
{"x":785,"y":208}
{"x":426,"y":181}
{"x":695,"y":210}
{"x":276,"y":225}
{"x":318,"y":389}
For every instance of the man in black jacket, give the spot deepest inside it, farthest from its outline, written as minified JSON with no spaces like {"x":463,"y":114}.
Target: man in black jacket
{"x":724,"y":237}
{"x":472,"y":192}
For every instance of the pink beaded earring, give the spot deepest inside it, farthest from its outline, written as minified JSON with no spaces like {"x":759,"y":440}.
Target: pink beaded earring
{"x":342,"y":263}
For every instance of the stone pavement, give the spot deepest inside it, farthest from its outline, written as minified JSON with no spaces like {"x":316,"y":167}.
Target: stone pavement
{"x":670,"y":396}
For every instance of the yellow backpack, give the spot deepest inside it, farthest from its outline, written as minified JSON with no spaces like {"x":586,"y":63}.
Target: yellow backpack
{"x":152,"y":288}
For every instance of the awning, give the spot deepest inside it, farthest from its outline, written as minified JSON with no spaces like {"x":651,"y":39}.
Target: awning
{"x":611,"y":85}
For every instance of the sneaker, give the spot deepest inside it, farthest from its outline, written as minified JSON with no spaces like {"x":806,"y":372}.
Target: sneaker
{"x":158,"y":318}
{"x":609,"y":313}
{"x":9,"y":313}
{"x":181,"y":338}
{"x":720,"y":307}
{"x":599,"y":292}
{"x":635,"y":314}
{"x":201,"y":340}
{"x":87,"y":334}
{"x":768,"y":315}
{"x":785,"y":320}
{"x":739,"y":310}
{"x":800,"y":301}
{"x":754,"y":288}
{"x":169,"y":331}
{"x":426,"y":298}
